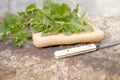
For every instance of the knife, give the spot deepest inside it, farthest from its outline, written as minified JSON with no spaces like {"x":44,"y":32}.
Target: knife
{"x":83,"y":49}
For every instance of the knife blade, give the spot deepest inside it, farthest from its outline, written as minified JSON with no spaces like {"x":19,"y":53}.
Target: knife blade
{"x":83,"y":49}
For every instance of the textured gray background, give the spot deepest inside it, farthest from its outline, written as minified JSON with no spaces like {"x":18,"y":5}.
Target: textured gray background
{"x":95,"y":7}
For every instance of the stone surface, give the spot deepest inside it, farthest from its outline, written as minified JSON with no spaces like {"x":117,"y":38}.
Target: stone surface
{"x":30,"y":63}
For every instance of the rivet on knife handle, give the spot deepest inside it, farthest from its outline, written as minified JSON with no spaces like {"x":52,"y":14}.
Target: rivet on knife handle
{"x":75,"y":51}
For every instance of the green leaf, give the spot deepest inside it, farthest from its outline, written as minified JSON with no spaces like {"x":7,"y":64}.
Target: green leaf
{"x":53,"y":18}
{"x":20,"y":37}
{"x":11,"y":19}
{"x":2,"y":36}
{"x":55,"y":28}
{"x":3,"y":29}
{"x":66,"y":30}
{"x":60,"y":10}
{"x":87,"y":28}
{"x":31,"y":6}
{"x":75,"y":10}
{"x":4,"y":32}
{"x":83,"y":14}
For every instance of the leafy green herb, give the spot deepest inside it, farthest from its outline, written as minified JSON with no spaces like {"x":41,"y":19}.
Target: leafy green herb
{"x":54,"y":18}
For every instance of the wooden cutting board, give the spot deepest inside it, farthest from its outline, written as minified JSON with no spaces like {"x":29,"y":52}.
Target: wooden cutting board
{"x":43,"y":41}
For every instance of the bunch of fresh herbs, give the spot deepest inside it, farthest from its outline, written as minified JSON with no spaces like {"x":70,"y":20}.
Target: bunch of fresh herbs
{"x":52,"y":19}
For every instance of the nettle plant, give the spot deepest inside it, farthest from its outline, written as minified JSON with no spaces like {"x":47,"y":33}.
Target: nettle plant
{"x":52,"y":19}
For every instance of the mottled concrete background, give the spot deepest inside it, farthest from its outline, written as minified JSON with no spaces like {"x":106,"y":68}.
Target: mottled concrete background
{"x":95,"y":7}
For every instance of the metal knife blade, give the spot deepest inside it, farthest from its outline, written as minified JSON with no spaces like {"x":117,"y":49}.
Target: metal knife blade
{"x":83,"y":49}
{"x":108,"y":44}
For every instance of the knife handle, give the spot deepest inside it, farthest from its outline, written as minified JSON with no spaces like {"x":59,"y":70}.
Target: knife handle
{"x":75,"y":51}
